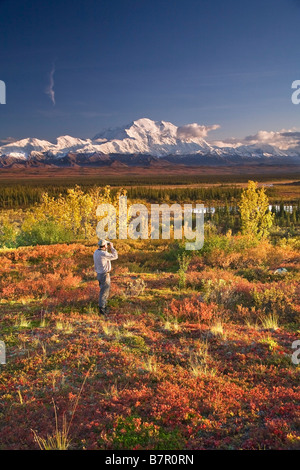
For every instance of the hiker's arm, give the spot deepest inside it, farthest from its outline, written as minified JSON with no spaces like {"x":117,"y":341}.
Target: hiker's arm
{"x":113,"y":255}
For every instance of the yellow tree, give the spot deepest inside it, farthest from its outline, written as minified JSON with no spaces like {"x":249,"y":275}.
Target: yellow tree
{"x":257,"y":220}
{"x":74,"y":213}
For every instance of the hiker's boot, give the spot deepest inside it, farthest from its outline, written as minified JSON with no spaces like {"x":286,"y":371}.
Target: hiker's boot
{"x":102,"y":312}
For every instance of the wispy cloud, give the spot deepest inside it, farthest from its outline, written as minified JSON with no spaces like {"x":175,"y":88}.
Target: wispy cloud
{"x":50,"y":88}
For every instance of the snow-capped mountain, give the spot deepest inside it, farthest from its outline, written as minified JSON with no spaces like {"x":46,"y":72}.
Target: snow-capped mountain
{"x":23,"y":149}
{"x":157,"y":138}
{"x":143,"y":137}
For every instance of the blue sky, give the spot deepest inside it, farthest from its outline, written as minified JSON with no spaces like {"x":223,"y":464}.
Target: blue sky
{"x":229,"y":62}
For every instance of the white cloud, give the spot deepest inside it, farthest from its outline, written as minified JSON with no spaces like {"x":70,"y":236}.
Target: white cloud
{"x":283,"y":140}
{"x":194,"y":131}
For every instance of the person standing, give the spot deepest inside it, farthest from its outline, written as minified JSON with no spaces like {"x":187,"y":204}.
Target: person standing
{"x":102,"y":264}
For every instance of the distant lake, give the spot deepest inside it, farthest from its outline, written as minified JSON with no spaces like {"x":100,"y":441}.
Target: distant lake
{"x":275,"y":208}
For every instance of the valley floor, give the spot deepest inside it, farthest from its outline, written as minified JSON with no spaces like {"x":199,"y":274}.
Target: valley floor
{"x":161,"y":173}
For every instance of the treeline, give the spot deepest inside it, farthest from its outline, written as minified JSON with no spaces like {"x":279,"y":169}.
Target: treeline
{"x":22,"y":196}
{"x":181,"y":195}
{"x":12,"y":197}
{"x":285,"y":218}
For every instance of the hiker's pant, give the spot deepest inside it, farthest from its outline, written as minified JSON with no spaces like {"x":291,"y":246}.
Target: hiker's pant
{"x":104,"y":283}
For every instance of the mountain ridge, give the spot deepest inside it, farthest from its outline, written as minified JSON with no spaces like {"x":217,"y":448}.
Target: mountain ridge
{"x":140,"y":138}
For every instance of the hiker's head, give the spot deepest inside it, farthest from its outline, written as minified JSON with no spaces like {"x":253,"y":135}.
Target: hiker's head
{"x":102,"y":244}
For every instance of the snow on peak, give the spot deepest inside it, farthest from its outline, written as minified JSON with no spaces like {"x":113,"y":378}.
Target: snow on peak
{"x":22,"y":148}
{"x":68,"y":141}
{"x":145,"y":136}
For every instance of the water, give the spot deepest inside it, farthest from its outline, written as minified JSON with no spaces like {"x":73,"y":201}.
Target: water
{"x":276,"y":208}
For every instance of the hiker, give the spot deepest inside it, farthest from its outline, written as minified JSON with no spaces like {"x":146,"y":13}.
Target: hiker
{"x":102,"y":263}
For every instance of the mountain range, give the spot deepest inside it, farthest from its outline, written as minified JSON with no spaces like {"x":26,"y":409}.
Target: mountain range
{"x":141,"y":142}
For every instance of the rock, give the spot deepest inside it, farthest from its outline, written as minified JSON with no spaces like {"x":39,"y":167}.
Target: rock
{"x":280,"y":271}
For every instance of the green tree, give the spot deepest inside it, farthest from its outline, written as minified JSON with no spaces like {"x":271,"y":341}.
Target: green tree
{"x":184,"y":261}
{"x":256,"y":218}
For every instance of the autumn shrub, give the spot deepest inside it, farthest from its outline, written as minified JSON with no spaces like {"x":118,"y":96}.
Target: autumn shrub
{"x":256,"y":256}
{"x":218,"y":292}
{"x":258,"y":273}
{"x":136,"y":343}
{"x":194,"y":279}
{"x":282,"y":253}
{"x":229,"y":294}
{"x":279,"y":299}
{"x":44,"y":232}
{"x":8,"y":232}
{"x":48,"y":285}
{"x":46,"y":252}
{"x":292,"y":243}
{"x":197,"y":279}
{"x":226,"y":250}
{"x":192,"y":309}
{"x":215,"y":242}
{"x":244,"y":252}
{"x":135,"y":287}
{"x":132,"y":432}
{"x":80,"y":296}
